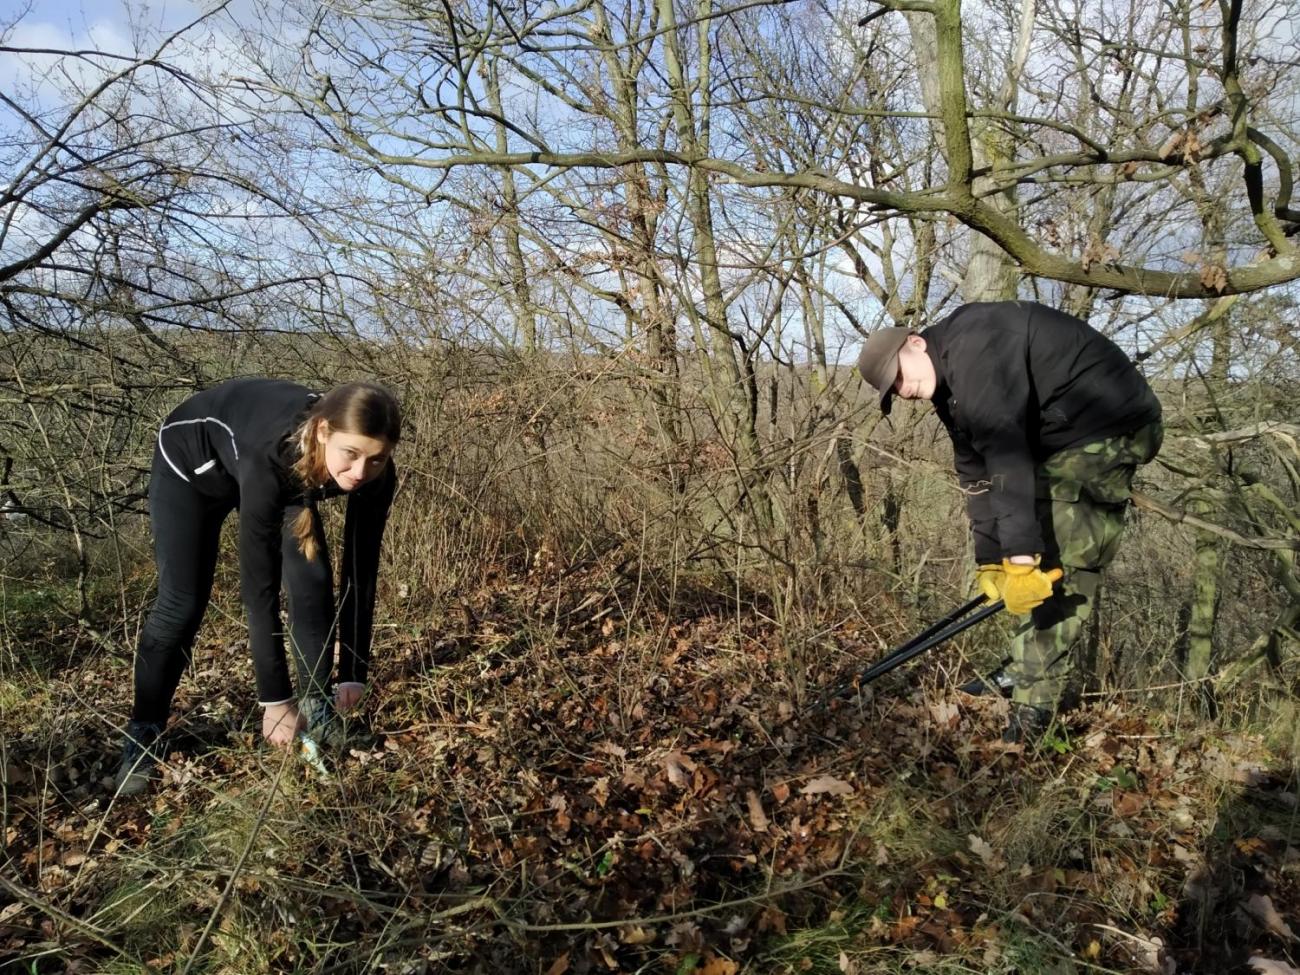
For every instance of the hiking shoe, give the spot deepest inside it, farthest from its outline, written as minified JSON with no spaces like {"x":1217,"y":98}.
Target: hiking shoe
{"x":1027,"y":724}
{"x":999,"y":682}
{"x":138,"y":758}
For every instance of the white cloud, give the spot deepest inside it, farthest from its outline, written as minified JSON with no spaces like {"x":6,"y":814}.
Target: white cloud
{"x":30,"y":74}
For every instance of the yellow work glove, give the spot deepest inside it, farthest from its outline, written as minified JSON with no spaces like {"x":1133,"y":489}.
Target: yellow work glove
{"x":989,"y":578}
{"x":1024,"y":586}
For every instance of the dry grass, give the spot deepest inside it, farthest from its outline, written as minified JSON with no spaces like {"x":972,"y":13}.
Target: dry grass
{"x":592,"y":676}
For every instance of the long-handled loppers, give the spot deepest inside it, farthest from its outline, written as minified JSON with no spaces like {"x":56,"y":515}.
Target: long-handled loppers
{"x":960,"y":619}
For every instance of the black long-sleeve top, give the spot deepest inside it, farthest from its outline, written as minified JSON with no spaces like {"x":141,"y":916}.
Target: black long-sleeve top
{"x":1017,"y":382}
{"x":235,"y":441}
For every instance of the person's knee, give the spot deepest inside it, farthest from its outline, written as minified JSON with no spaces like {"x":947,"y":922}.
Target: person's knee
{"x":310,"y":593}
{"x":313,"y":607}
{"x":174,"y":619}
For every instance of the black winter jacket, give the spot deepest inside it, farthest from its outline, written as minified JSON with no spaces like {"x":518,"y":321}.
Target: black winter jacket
{"x":1017,"y":382}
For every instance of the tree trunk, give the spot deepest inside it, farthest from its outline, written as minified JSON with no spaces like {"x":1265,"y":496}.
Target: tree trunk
{"x":516,"y":267}
{"x":990,"y":275}
{"x":731,"y":391}
{"x":648,"y":313}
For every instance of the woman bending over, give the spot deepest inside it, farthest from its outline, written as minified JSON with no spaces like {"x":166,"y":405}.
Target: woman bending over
{"x":273,"y":450}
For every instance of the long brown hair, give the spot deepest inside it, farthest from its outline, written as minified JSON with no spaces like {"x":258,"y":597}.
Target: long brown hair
{"x":363,"y":408}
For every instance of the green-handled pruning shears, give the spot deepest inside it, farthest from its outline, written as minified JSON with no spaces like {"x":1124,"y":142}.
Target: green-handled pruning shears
{"x":309,"y":751}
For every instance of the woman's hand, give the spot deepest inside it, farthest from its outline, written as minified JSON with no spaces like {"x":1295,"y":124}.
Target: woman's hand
{"x":281,"y":723}
{"x":347,"y":695}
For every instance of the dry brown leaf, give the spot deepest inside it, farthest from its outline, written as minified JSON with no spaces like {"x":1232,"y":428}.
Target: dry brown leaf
{"x":946,"y":714}
{"x":1260,"y":907}
{"x":772,"y":919}
{"x":781,"y":791}
{"x":718,"y":966}
{"x":1097,"y":251}
{"x":679,"y":768}
{"x":634,"y":934}
{"x":10,"y":911}
{"x":1170,"y":145}
{"x":722,"y":746}
{"x":1094,"y":739}
{"x":902,"y":929}
{"x":559,"y":966}
{"x":985,"y":852}
{"x":685,"y":936}
{"x":757,"y":818}
{"x":1128,"y":804}
{"x":1267,"y":966}
{"x":826,"y":784}
{"x":561,"y":806}
{"x":1214,"y":277}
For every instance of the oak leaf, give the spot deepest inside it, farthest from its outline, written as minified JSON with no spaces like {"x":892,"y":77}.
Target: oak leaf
{"x":985,"y":852}
{"x":679,"y":768}
{"x":1267,"y":966}
{"x":718,"y":966}
{"x":1214,"y":277}
{"x":1260,"y":907}
{"x":828,"y":784}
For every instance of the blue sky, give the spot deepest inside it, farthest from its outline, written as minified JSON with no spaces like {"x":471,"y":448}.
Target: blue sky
{"x":79,"y":20}
{"x":110,"y":26}
{"x":126,"y":26}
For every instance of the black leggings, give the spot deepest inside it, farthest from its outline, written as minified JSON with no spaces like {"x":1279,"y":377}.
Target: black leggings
{"x":186,"y":532}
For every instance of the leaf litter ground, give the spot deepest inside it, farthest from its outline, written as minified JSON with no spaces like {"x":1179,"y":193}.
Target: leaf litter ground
{"x":589,"y":792}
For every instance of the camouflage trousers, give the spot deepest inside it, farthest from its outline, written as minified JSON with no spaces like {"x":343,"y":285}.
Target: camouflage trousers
{"x":1081,"y":495}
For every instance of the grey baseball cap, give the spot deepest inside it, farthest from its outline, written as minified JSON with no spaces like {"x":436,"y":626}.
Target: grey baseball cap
{"x":878,"y":362}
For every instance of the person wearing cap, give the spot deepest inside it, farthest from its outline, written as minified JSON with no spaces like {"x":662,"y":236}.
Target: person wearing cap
{"x":1049,"y":420}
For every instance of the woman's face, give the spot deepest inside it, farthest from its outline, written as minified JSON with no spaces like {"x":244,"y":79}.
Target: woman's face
{"x":352,"y":459}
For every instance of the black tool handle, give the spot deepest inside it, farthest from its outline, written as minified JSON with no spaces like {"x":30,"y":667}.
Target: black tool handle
{"x":907,"y":652}
{"x":955,"y":622}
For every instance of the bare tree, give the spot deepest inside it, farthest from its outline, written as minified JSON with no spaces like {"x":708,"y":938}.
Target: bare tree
{"x":135,"y":262}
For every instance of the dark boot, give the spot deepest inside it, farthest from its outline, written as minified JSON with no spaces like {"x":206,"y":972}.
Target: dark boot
{"x":138,"y":758}
{"x":1027,"y":724}
{"x":999,"y":682}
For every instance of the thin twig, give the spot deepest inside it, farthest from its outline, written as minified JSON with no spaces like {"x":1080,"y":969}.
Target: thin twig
{"x":239,"y":864}
{"x":81,"y":927}
{"x":1178,"y":516}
